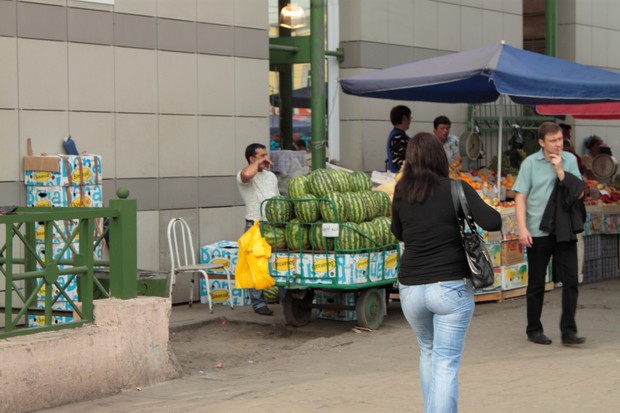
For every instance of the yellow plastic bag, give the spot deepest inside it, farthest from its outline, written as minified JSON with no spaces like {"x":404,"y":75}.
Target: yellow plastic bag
{"x":252,"y":270}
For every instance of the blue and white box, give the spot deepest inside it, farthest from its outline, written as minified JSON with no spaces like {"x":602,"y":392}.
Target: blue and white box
{"x":218,"y":285}
{"x":221,"y":252}
{"x":62,"y":170}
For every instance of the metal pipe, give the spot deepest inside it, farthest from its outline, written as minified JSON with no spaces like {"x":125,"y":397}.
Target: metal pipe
{"x":284,"y":48}
{"x":333,"y":73}
{"x":286,"y":92}
{"x":317,"y":77}
{"x":551,"y":27}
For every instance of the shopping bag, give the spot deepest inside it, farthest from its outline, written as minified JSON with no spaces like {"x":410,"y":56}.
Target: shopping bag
{"x":252,"y":270}
{"x":259,"y":264}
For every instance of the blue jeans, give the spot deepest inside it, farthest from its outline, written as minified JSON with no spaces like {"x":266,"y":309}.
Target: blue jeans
{"x":439,"y":314}
{"x":257,"y":297}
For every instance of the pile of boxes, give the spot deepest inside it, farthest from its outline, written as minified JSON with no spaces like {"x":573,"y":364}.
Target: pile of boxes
{"x":62,"y":181}
{"x":508,"y":256}
{"x":226,"y":253}
{"x":330,"y":269}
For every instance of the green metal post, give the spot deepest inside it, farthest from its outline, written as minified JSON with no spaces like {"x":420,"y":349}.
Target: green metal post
{"x":124,"y":247}
{"x":317,"y":77}
{"x":8,"y":274}
{"x":286,"y":92}
{"x":86,"y":258}
{"x":551,"y":27}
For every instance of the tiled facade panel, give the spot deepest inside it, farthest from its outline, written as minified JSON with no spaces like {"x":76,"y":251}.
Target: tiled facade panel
{"x":168,"y":92}
{"x":588,"y":33}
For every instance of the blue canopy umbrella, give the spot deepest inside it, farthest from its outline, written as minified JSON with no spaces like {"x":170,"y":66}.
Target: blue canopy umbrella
{"x":486,"y":74}
{"x":301,"y":125}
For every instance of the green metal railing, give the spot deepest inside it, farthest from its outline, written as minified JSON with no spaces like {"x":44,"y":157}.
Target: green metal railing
{"x":47,"y":251}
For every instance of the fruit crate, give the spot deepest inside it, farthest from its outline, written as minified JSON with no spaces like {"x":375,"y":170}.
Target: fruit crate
{"x":592,"y":246}
{"x":609,"y":246}
{"x":592,"y":270}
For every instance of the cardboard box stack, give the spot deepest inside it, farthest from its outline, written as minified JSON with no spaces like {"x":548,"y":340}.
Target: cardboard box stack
{"x":507,"y":255}
{"x":62,"y":181}
{"x":222,"y":252}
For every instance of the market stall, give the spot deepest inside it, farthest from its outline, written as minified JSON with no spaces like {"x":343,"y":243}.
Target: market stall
{"x":489,"y":74}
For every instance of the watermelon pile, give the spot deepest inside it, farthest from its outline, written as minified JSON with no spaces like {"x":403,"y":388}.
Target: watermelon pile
{"x":329,"y":196}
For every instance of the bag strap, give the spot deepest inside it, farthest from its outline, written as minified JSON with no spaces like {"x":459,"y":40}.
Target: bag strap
{"x":465,"y":206}
{"x":455,"y":185}
{"x":456,"y":199}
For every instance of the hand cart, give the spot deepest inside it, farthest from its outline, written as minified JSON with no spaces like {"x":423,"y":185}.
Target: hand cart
{"x":364,"y":275}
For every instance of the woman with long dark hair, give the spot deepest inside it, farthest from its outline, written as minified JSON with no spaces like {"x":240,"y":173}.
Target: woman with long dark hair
{"x":436,"y":292}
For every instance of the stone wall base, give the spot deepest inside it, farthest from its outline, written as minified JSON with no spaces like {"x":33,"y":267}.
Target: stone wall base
{"x":126,"y":347}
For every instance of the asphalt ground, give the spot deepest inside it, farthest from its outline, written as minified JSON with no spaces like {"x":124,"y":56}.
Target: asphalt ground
{"x":378,"y":371}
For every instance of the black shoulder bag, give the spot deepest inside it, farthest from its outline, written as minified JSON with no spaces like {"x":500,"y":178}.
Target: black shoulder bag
{"x":477,"y":255}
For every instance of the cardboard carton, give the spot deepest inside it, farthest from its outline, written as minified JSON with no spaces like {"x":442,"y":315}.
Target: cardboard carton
{"x":333,"y":269}
{"x":62,"y":170}
{"x":514,"y":276}
{"x":218,"y":285}
{"x":221,"y":252}
{"x":495,"y":252}
{"x":64,"y":196}
{"x":512,"y":252}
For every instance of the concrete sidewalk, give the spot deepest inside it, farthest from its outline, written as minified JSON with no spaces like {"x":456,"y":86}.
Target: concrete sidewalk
{"x":377,"y":372}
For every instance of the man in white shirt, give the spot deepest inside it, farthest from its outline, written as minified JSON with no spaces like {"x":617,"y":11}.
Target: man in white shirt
{"x":257,"y":183}
{"x":441,"y":129}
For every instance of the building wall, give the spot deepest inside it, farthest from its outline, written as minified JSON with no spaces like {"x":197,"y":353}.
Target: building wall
{"x":589,"y":33}
{"x":169,"y":92}
{"x":379,"y":34}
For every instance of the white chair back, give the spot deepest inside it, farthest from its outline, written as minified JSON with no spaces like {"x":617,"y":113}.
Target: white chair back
{"x":180,"y":244}
{"x":183,"y":260}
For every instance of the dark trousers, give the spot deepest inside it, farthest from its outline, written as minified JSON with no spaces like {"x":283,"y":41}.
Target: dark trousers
{"x":565,"y":258}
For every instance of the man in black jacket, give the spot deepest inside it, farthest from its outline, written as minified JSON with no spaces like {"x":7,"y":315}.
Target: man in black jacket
{"x":539,"y":174}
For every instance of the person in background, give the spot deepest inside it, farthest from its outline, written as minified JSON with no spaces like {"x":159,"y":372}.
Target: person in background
{"x":257,"y":183}
{"x":300,"y":145}
{"x":400,"y":116}
{"x":592,"y":145}
{"x":274,"y":142}
{"x":436,"y":292}
{"x":568,"y":143}
{"x":441,"y":129}
{"x":550,"y":177}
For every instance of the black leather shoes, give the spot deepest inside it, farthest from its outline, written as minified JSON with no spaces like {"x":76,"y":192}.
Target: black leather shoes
{"x":264,"y":310}
{"x":572,"y":339}
{"x":539,"y":338}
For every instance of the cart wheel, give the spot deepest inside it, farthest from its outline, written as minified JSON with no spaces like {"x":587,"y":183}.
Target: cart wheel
{"x":297,"y":307}
{"x":370,"y":308}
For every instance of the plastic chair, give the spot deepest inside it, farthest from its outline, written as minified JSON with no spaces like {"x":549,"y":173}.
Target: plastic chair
{"x":183,"y":260}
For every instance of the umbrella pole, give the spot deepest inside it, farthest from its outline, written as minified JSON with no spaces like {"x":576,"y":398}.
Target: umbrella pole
{"x":499,"y":146}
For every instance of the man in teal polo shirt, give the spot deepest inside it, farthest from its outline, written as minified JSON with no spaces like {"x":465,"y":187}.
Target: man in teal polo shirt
{"x":537,"y":177}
